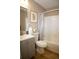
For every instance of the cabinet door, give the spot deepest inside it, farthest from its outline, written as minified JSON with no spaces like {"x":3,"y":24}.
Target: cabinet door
{"x":31,"y":47}
{"x":27,"y":48}
{"x":24,"y":49}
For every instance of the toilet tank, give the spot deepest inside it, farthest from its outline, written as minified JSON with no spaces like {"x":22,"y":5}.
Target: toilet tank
{"x":36,"y":36}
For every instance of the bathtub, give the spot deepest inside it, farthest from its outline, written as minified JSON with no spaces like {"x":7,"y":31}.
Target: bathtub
{"x":54,"y":47}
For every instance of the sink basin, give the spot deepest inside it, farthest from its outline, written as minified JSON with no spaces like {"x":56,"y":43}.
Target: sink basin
{"x":26,"y":36}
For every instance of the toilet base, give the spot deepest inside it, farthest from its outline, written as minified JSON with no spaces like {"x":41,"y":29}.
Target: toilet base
{"x":40,"y":50}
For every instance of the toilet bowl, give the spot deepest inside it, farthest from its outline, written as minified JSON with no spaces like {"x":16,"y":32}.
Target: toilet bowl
{"x":40,"y":46}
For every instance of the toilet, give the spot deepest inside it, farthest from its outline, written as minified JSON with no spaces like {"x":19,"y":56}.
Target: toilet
{"x":40,"y":44}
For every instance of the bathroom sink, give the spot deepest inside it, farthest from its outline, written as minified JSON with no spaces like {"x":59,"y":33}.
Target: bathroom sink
{"x":26,"y":36}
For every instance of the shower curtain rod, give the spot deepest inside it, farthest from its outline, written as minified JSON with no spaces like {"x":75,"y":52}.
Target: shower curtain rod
{"x":51,"y":10}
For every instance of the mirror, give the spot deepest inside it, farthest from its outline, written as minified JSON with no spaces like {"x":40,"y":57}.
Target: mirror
{"x":23,"y":18}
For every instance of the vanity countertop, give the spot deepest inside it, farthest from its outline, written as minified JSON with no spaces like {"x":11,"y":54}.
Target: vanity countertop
{"x":25,"y":37}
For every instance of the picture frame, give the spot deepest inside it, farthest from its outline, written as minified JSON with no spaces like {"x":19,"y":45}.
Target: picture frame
{"x":33,"y":16}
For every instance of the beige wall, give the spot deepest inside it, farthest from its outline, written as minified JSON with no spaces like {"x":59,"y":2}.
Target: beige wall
{"x":25,"y":19}
{"x":34,"y":7}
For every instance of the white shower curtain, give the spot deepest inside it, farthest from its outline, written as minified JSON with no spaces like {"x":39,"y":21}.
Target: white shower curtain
{"x":48,"y":27}
{"x":40,"y":25}
{"x":51,"y":29}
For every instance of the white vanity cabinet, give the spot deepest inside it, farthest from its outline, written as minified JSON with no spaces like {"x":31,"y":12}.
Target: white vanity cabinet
{"x":27,"y":48}
{"x":24,"y":3}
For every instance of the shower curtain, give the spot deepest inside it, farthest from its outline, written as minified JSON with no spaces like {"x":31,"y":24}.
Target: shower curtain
{"x":51,"y":29}
{"x":48,"y":27}
{"x":40,"y":25}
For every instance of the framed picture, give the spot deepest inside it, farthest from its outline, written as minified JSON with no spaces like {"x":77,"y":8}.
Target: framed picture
{"x":33,"y":17}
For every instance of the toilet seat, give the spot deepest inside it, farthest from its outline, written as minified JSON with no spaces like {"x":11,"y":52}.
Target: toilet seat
{"x":42,"y":44}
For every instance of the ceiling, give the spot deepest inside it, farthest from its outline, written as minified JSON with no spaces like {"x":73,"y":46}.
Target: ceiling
{"x":48,"y":4}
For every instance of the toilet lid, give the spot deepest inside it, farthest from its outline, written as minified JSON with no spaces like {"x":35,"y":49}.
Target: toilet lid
{"x":41,"y":43}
